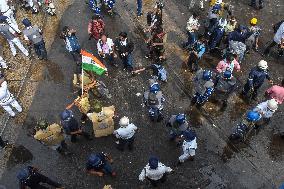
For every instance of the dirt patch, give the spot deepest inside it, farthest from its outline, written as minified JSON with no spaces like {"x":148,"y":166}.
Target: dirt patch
{"x":17,"y":155}
{"x":276,"y":148}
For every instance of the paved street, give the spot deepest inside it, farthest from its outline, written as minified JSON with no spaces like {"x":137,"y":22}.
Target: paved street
{"x":218,"y":164}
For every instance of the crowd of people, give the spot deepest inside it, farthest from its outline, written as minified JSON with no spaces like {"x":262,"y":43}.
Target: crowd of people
{"x":222,"y":34}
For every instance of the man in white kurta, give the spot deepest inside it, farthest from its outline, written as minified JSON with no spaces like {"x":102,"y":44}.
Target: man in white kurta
{"x":7,"y":100}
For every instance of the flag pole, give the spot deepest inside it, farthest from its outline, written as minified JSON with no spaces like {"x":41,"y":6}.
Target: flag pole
{"x":82,"y":75}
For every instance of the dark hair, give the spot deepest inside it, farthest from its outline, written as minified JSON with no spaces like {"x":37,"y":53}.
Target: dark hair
{"x":95,"y":17}
{"x":123,"y":34}
{"x":65,"y":28}
{"x":195,"y":14}
{"x":282,"y":83}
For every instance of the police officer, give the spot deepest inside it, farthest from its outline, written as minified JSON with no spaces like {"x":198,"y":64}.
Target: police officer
{"x":256,"y":78}
{"x":217,"y":34}
{"x":99,"y":164}
{"x":155,"y":172}
{"x":189,"y":146}
{"x":203,"y":87}
{"x":224,"y":86}
{"x":34,"y":37}
{"x":195,"y":54}
{"x":177,"y":124}
{"x":32,"y":178}
{"x":267,"y":109}
{"x":252,"y":117}
{"x":154,"y":99}
{"x":71,"y":126}
{"x":125,"y":133}
{"x":124,"y":48}
{"x":7,"y":99}
{"x":9,"y":34}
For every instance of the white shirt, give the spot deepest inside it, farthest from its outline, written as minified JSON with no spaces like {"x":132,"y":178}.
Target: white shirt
{"x":4,"y":7}
{"x":192,"y":24}
{"x":125,"y":132}
{"x":263,"y":109}
{"x":279,"y":34}
{"x":123,"y":42}
{"x":154,"y":174}
{"x":5,"y":95}
{"x":105,"y":48}
{"x":186,"y":146}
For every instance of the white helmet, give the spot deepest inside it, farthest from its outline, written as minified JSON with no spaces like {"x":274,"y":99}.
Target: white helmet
{"x":262,"y":65}
{"x":218,"y":2}
{"x":124,"y":121}
{"x":272,"y":104}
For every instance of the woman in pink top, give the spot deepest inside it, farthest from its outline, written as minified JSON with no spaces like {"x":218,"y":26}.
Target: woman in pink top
{"x":229,"y":63}
{"x":276,"y":92}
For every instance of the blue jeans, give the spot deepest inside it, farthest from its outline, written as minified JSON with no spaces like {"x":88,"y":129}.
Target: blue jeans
{"x":128,"y":62}
{"x":139,"y":7}
{"x":40,"y":50}
{"x":190,"y":39}
{"x":107,"y":169}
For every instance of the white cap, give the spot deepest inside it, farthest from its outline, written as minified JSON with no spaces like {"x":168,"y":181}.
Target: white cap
{"x":124,"y":121}
{"x":218,"y":2}
{"x":272,"y":104}
{"x":262,"y":65}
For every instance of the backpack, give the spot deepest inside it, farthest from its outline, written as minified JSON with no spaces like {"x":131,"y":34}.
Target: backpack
{"x":152,"y":99}
{"x":162,"y":72}
{"x":277,"y":26}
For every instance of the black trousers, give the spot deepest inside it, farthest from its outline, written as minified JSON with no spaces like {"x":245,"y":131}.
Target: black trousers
{"x":156,"y":182}
{"x":36,"y":180}
{"x":2,"y":143}
{"x":129,"y":142}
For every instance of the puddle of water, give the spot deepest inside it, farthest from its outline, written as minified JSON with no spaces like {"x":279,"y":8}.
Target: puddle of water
{"x":276,"y":148}
{"x":17,"y":155}
{"x":53,"y":72}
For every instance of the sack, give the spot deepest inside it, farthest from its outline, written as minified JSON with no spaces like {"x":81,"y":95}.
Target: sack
{"x":162,"y":72}
{"x":277,"y":26}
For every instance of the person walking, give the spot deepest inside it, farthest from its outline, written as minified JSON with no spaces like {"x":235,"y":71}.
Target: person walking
{"x":8,"y":12}
{"x":192,"y":27}
{"x":277,"y":40}
{"x":125,"y":134}
{"x":189,"y":146}
{"x":9,"y":34}
{"x":139,"y":8}
{"x":276,"y":92}
{"x":124,"y":48}
{"x":34,"y":37}
{"x":155,"y":172}
{"x":7,"y":99}
{"x":96,"y":27}
{"x":105,"y":48}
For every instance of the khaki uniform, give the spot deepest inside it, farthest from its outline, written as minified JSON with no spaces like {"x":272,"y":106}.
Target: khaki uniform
{"x":103,"y":123}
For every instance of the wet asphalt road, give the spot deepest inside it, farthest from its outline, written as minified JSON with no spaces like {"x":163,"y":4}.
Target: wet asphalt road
{"x":216,"y":166}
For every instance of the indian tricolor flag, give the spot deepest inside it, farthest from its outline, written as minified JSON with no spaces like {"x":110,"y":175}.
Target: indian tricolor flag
{"x":91,"y":63}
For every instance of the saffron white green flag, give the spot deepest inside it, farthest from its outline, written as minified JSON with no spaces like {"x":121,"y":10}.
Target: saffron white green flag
{"x":91,"y":63}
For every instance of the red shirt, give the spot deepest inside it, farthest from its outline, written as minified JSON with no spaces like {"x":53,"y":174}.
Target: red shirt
{"x":276,"y":92}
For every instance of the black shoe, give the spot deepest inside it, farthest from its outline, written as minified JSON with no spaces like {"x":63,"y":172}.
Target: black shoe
{"x":261,"y":6}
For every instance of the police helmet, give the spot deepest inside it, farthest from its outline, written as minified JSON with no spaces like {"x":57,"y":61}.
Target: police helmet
{"x":188,"y":135}
{"x":180,"y":118}
{"x":97,"y":11}
{"x":124,"y":121}
{"x":23,"y":174}
{"x":207,"y":75}
{"x":155,"y":87}
{"x":94,"y":160}
{"x":272,"y":105}
{"x":227,"y":74}
{"x":262,"y":65}
{"x":66,"y":114}
{"x":3,"y":19}
{"x":26,"y":22}
{"x":253,"y":116}
{"x":153,"y":162}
